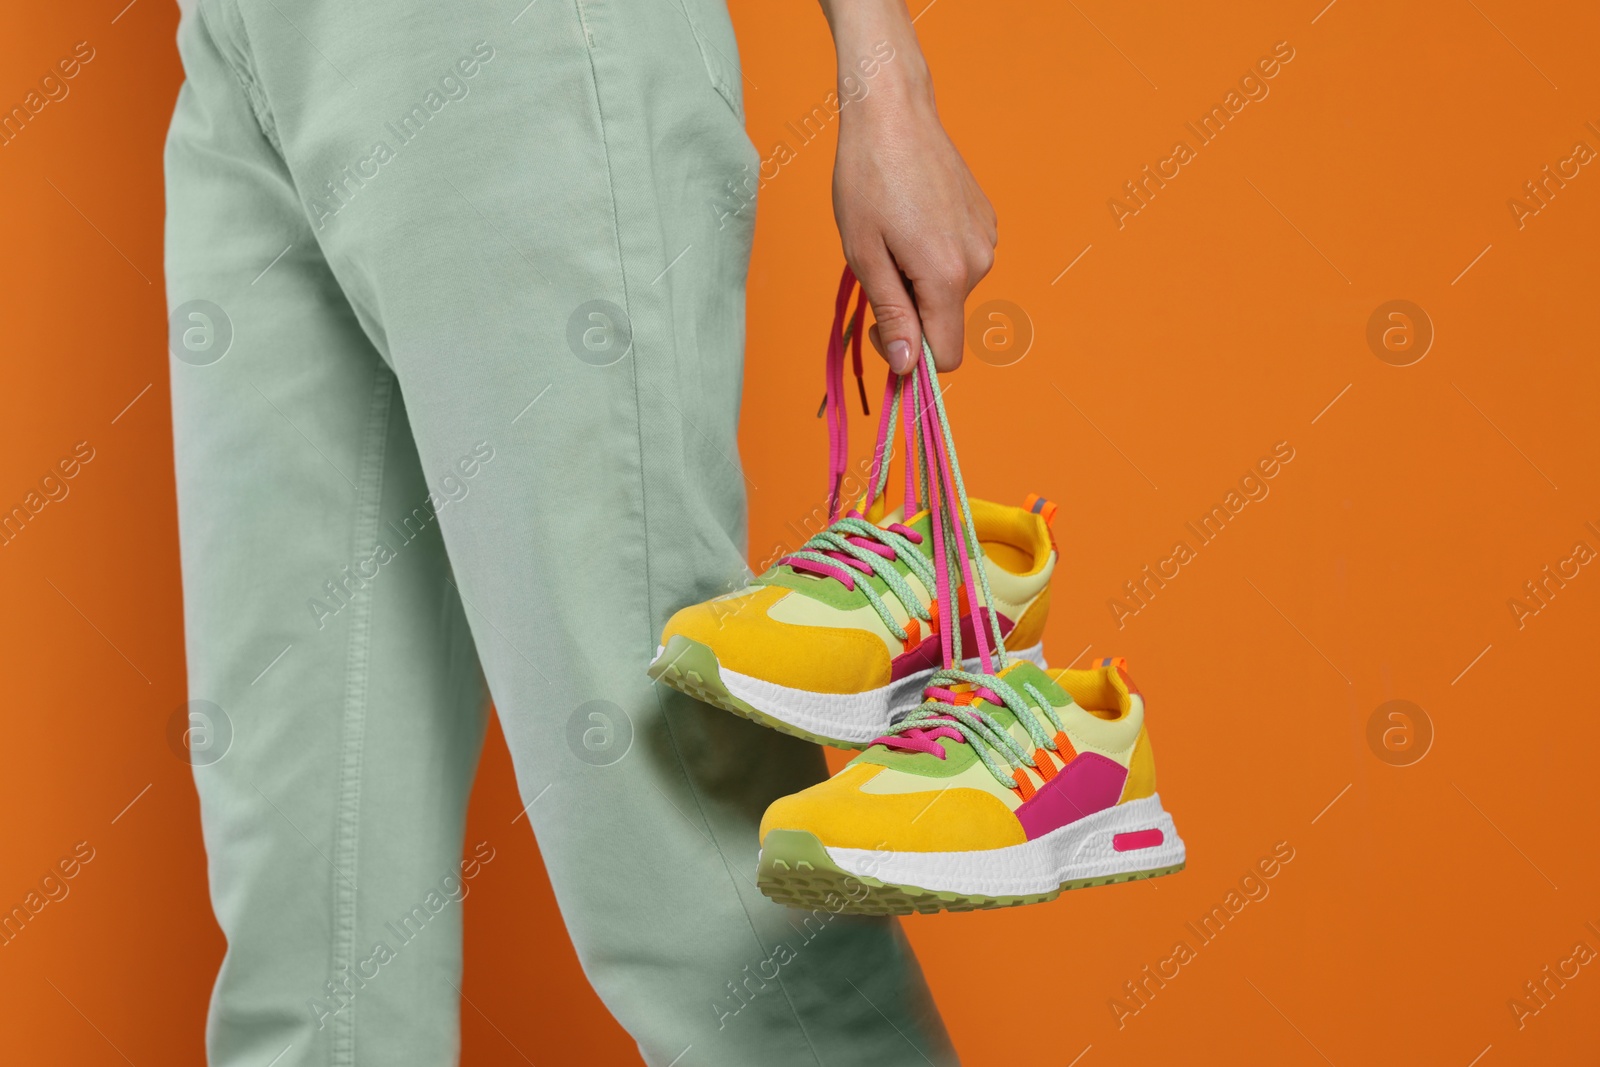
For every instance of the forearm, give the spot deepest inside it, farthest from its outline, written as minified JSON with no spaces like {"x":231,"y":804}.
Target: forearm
{"x":864,"y":32}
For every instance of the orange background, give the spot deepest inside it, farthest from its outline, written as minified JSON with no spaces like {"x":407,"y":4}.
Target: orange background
{"x":1223,"y":318}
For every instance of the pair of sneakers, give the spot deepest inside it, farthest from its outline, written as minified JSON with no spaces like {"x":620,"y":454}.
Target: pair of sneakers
{"x":986,"y":779}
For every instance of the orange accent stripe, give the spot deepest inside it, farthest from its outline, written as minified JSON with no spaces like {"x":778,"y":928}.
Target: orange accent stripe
{"x":1025,"y":787}
{"x":913,"y":635}
{"x":1047,"y":767}
{"x":1064,"y":750}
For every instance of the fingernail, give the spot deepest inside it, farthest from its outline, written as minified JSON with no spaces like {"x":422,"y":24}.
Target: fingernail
{"x":899,"y":356}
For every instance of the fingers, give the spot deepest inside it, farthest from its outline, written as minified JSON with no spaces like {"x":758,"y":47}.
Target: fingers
{"x":942,"y":308}
{"x":943,"y":275}
{"x":897,"y":335}
{"x":918,"y":287}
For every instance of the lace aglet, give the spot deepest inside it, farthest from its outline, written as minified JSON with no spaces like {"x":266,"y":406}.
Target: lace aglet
{"x":822,"y":406}
{"x":861,"y":387}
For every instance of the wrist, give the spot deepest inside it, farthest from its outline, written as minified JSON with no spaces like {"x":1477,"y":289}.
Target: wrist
{"x":894,"y":77}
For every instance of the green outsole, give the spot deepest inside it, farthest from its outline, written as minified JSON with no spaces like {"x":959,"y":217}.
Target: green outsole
{"x":796,"y":870}
{"x":692,"y":668}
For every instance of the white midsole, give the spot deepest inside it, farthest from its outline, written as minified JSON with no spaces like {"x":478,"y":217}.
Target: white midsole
{"x":854,"y":717}
{"x":1082,"y":849}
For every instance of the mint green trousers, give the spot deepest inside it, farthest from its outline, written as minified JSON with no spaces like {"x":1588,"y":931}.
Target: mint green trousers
{"x":457,"y":325}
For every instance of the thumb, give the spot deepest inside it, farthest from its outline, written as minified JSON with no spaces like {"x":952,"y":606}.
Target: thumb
{"x":897,"y":335}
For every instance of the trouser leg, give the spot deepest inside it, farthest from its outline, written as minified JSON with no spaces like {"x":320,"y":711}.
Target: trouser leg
{"x":531,"y":214}
{"x":333,"y":783}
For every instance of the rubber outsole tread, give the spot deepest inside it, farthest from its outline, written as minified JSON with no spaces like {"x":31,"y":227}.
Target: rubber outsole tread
{"x":796,"y":870}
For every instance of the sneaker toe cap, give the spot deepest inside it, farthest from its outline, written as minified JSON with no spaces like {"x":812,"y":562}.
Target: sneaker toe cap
{"x":747,"y":639}
{"x":841,"y":814}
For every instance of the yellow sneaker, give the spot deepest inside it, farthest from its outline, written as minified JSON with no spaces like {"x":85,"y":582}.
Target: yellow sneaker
{"x":1001,"y":790}
{"x":840,"y":638}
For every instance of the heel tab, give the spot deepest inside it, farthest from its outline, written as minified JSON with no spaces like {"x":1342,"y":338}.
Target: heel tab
{"x":1118,"y":667}
{"x":1045,"y":509}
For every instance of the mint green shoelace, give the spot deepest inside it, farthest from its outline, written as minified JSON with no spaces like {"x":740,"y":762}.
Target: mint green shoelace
{"x":836,"y":538}
{"x":977,"y":728}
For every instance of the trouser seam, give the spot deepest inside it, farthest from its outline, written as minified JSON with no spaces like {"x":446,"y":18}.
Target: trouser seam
{"x":622,"y":274}
{"x":237,"y":59}
{"x":346,"y":850}
{"x":650,"y":615}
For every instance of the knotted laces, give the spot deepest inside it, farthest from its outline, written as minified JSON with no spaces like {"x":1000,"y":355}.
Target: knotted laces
{"x":854,"y":548}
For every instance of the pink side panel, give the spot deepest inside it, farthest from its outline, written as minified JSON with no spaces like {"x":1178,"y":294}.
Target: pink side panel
{"x":1090,"y":783}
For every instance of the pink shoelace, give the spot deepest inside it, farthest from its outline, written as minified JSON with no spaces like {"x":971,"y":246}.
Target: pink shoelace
{"x":913,"y":400}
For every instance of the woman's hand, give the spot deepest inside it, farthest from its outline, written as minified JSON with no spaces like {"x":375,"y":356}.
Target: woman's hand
{"x":908,"y":208}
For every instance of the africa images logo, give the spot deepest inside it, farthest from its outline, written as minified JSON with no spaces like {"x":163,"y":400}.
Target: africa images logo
{"x":1253,"y":86}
